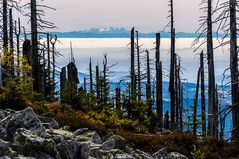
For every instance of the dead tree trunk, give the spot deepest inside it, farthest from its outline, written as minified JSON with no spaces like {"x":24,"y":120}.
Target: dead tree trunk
{"x":63,"y":79}
{"x":5,"y":42}
{"x":138,"y":64}
{"x":11,"y":49}
{"x":172,"y":81}
{"x":177,"y":102}
{"x":212,"y":107}
{"x":203,"y":101}
{"x":234,"y":70}
{"x":97,"y":83}
{"x":195,"y":123}
{"x":18,"y":33}
{"x":132,"y":73}
{"x":36,"y":71}
{"x":5,"y":24}
{"x":91,"y":77}
{"x":53,"y":43}
{"x":104,"y":81}
{"x":181,"y":99}
{"x":159,"y":83}
{"x":48,"y":58}
{"x":118,"y":99}
{"x":166,"y":121}
{"x":148,"y":88}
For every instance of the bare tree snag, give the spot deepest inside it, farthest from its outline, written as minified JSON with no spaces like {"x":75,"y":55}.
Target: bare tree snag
{"x":234,"y":70}
{"x":203,"y":101}
{"x":159,"y":83}
{"x":132,"y":72}
{"x":11,"y":48}
{"x":212,"y":107}
{"x":138,"y":64}
{"x":148,"y":87}
{"x":91,"y":77}
{"x":195,"y":123}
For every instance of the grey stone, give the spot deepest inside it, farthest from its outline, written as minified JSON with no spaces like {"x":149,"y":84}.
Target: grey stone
{"x":123,"y":156}
{"x":5,"y":149}
{"x":161,"y":154}
{"x":85,"y":150}
{"x":25,"y":138}
{"x":80,"y":131}
{"x":108,"y":145}
{"x":69,"y":149}
{"x":120,"y":142}
{"x":143,"y":155}
{"x":25,"y":119}
{"x":176,"y":155}
{"x":54,"y":124}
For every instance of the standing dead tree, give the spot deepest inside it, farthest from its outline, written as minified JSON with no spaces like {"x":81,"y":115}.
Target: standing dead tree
{"x":53,"y":41}
{"x":172,"y":67}
{"x":138,"y":66}
{"x":195,"y":107}
{"x":17,"y":34}
{"x":132,"y":70}
{"x":234,"y":69}
{"x":91,"y":77}
{"x":159,"y":83}
{"x":11,"y":42}
{"x":227,"y":20}
{"x":203,"y":101}
{"x":205,"y":30}
{"x":5,"y":40}
{"x":148,"y":87}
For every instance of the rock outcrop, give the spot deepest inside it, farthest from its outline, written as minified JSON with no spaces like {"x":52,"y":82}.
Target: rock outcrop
{"x":23,"y":134}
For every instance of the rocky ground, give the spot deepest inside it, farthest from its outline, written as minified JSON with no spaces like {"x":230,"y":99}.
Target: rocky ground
{"x":25,"y":135}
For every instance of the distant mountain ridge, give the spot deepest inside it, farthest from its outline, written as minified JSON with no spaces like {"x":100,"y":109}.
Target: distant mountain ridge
{"x":120,"y":33}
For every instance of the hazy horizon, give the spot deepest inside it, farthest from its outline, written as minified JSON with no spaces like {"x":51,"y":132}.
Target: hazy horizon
{"x":146,"y":16}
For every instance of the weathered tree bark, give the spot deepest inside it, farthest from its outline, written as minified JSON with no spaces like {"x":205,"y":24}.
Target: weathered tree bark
{"x":234,"y":70}
{"x":85,"y":89}
{"x":48,"y":58}
{"x":172,"y":81}
{"x":166,"y":120}
{"x":97,"y":74}
{"x":53,"y":43}
{"x":148,"y":87}
{"x":195,"y":123}
{"x":104,"y":82}
{"x":212,"y":107}
{"x":36,"y":68}
{"x":177,"y":102}
{"x":5,"y":24}
{"x":91,"y":77}
{"x":172,"y":68}
{"x":138,"y":64}
{"x":26,"y":51}
{"x":132,"y":72}
{"x":118,"y":99}
{"x":18,"y":33}
{"x":5,"y":42}
{"x":11,"y":48}
{"x":159,"y":83}
{"x":63,"y":79}
{"x":181,"y":101}
{"x":203,"y":101}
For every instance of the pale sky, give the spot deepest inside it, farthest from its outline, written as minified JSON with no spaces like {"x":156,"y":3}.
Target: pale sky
{"x":145,"y":15}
